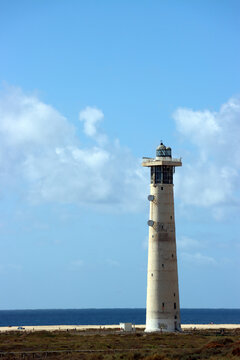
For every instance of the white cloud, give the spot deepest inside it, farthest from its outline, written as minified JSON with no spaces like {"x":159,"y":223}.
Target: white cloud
{"x":184,"y":243}
{"x":76,"y":265}
{"x":212,"y":177}
{"x":197,"y":258}
{"x":90,"y":116}
{"x":39,"y":147}
{"x":145,"y":243}
{"x":112,"y":263}
{"x":28,"y":123}
{"x":189,"y":252}
{"x":10,"y":268}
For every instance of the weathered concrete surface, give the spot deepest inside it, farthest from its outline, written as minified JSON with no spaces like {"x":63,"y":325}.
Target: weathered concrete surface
{"x":163,"y":313}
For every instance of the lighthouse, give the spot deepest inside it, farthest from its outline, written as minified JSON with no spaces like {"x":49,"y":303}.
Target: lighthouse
{"x":163,"y":312}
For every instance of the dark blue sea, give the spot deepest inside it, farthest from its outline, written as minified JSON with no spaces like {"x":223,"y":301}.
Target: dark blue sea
{"x":110,"y":316}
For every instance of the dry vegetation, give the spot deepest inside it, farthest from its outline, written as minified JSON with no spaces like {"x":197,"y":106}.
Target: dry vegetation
{"x":110,"y":345}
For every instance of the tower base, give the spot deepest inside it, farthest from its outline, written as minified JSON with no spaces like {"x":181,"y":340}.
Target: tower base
{"x":162,"y":325}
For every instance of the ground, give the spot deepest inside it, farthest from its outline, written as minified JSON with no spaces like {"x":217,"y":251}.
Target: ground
{"x":113,"y":345}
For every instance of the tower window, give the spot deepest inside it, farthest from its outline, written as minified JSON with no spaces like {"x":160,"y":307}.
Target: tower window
{"x":151,"y":274}
{"x":162,"y":265}
{"x":161,"y":187}
{"x":174,"y":294}
{"x":175,"y":317}
{"x":171,"y":217}
{"x":175,"y":305}
{"x":172,"y":256}
{"x":163,"y":304}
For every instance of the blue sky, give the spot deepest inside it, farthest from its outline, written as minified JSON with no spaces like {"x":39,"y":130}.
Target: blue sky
{"x":87,"y":89}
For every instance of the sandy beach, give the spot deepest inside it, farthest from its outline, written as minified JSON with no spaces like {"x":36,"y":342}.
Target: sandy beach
{"x":185,"y":327}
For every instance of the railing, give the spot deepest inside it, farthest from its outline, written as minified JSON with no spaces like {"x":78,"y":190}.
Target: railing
{"x":166,"y":158}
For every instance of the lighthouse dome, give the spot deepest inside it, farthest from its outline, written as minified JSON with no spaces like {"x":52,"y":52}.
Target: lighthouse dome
{"x":163,"y":151}
{"x":161,"y":146}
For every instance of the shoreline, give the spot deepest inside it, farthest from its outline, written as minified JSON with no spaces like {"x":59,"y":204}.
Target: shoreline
{"x":184,"y":327}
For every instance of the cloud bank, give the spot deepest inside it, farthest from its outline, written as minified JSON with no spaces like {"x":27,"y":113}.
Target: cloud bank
{"x":211,"y":177}
{"x":39,"y":148}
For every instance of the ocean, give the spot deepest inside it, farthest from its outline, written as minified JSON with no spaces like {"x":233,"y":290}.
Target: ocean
{"x":110,"y":316}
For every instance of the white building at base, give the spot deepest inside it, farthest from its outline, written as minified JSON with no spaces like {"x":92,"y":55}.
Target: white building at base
{"x":163,"y":312}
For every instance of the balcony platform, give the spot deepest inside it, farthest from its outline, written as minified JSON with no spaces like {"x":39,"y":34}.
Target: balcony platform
{"x":168,"y":161}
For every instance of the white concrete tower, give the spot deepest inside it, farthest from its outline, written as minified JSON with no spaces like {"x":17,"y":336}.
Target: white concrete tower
{"x":163,"y":313}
